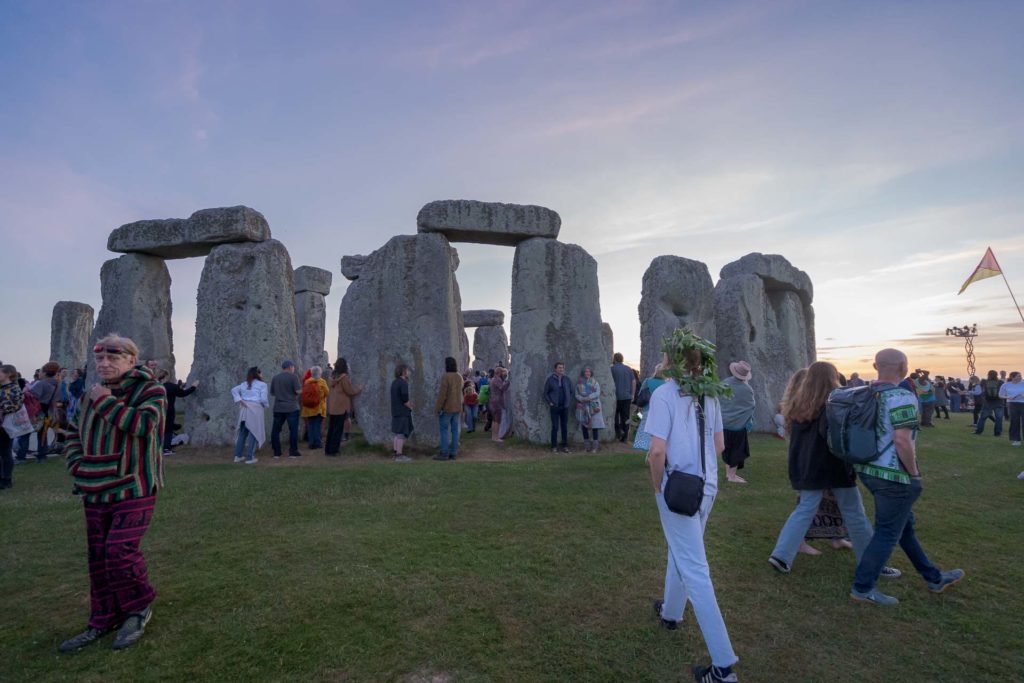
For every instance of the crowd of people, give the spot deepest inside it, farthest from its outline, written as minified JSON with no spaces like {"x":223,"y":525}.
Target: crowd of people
{"x":114,"y":434}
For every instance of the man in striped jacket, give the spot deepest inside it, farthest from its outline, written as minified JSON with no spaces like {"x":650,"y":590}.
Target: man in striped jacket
{"x":115,"y":457}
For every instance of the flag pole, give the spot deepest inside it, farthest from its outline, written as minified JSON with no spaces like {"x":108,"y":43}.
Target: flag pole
{"x":1011,"y":295}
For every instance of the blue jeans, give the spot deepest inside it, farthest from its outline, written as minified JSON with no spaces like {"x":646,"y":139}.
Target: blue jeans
{"x":293,"y":432}
{"x":954,"y":403}
{"x":688,"y":578}
{"x":470,"y":417}
{"x":997,"y":412}
{"x":245,"y":444}
{"x":894,"y":523}
{"x":448,"y":424}
{"x":314,"y":423}
{"x":795,"y":528}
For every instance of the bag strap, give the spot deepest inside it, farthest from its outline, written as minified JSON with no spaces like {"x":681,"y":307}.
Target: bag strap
{"x":700,"y":429}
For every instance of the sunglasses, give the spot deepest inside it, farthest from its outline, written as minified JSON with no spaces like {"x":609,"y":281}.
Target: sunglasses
{"x":113,"y":350}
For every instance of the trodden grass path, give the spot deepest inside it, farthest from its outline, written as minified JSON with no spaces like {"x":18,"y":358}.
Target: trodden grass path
{"x":539,"y":568}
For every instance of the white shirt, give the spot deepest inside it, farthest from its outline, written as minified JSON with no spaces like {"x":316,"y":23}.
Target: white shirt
{"x":1012,"y":391}
{"x":673,"y":418}
{"x":256,"y":394}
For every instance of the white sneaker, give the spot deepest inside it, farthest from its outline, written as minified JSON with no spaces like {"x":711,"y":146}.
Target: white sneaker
{"x":402,"y":458}
{"x":1021,"y":476}
{"x":1015,"y":443}
{"x":252,"y":462}
{"x":239,"y":459}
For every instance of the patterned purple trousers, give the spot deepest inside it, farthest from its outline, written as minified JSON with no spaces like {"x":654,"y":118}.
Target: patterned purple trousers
{"x":118,"y":580}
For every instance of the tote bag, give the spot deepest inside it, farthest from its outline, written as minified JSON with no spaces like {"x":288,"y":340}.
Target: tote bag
{"x":18,"y":423}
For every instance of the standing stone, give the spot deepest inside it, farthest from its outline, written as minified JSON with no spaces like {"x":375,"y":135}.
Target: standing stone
{"x":556,"y":316}
{"x":465,"y":220}
{"x":763,"y":315}
{"x":245,"y":316}
{"x":193,"y":236}
{"x":136,"y":292}
{"x":490,"y":347}
{"x":677,"y":292}
{"x":608,"y":338}
{"x":70,"y":333}
{"x":404,"y":308}
{"x":312,"y":285}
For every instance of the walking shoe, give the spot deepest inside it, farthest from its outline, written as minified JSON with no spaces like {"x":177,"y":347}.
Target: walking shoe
{"x":441,"y":456}
{"x":667,"y":624}
{"x":781,"y":566}
{"x":452,"y":456}
{"x":277,"y":456}
{"x":402,"y":458}
{"x":1015,"y":443}
{"x":874,"y":595}
{"x":714,"y":674}
{"x":252,"y":462}
{"x":132,"y":629}
{"x":554,"y":450}
{"x":87,"y":637}
{"x":292,"y":456}
{"x":565,"y":449}
{"x":891,"y":572}
{"x":168,"y":451}
{"x":947,"y":579}
{"x":239,"y":458}
{"x":1021,"y":475}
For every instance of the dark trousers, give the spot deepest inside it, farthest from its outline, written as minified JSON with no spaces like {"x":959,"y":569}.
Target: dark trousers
{"x":293,"y":432}
{"x":1016,"y":415}
{"x":622,"y":418}
{"x":996,"y":413}
{"x":169,"y":431}
{"x":939,"y":409}
{"x":559,"y":417}
{"x":6,"y":459}
{"x":894,"y":523}
{"x":335,"y":432}
{"x":118,"y":580}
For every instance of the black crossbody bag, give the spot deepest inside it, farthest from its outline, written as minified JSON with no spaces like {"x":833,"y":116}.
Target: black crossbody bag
{"x":685,"y":492}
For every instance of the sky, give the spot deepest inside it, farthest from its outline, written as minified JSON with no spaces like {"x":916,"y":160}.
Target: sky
{"x":879,"y":146}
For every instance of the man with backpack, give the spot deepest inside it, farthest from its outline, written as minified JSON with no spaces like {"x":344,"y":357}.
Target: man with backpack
{"x":991,"y":404}
{"x":894,"y":480}
{"x":41,"y":398}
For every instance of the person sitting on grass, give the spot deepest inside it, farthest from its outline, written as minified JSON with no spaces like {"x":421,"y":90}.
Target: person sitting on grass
{"x":116,"y":458}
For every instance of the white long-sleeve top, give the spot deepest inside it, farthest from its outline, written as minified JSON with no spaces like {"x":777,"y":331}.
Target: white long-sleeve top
{"x":255,"y":394}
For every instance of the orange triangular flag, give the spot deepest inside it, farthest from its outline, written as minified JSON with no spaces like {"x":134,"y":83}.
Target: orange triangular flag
{"x":988,"y":267}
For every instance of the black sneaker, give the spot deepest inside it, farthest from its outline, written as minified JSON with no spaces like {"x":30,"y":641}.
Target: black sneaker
{"x":87,"y":637}
{"x":132,"y":629}
{"x":668,"y":624}
{"x":714,"y":674}
{"x":440,"y":456}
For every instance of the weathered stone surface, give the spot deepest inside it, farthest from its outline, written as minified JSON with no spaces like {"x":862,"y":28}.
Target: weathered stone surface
{"x":310,"y":279}
{"x":777,"y":272}
{"x":608,"y":339}
{"x":351,"y":266}
{"x":763,"y":318}
{"x":677,"y":292}
{"x":136,"y":292}
{"x":490,"y":347}
{"x":483,"y":318}
{"x":465,"y":220}
{"x":311,"y":318}
{"x":70,"y":333}
{"x":194,"y":236}
{"x":245,"y":316}
{"x":404,"y":308}
{"x":556,"y":316}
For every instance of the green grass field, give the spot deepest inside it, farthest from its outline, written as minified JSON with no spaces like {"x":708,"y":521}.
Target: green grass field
{"x":540,"y":568}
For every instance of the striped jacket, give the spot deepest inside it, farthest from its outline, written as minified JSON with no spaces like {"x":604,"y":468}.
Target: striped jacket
{"x":116,"y":452}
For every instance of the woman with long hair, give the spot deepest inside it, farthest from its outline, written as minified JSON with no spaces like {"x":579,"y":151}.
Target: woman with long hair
{"x":813,"y":468}
{"x":252,"y":399}
{"x":339,"y":406}
{"x":588,"y":409}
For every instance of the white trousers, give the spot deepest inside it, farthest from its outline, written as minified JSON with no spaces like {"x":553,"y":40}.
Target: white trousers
{"x":688,"y":578}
